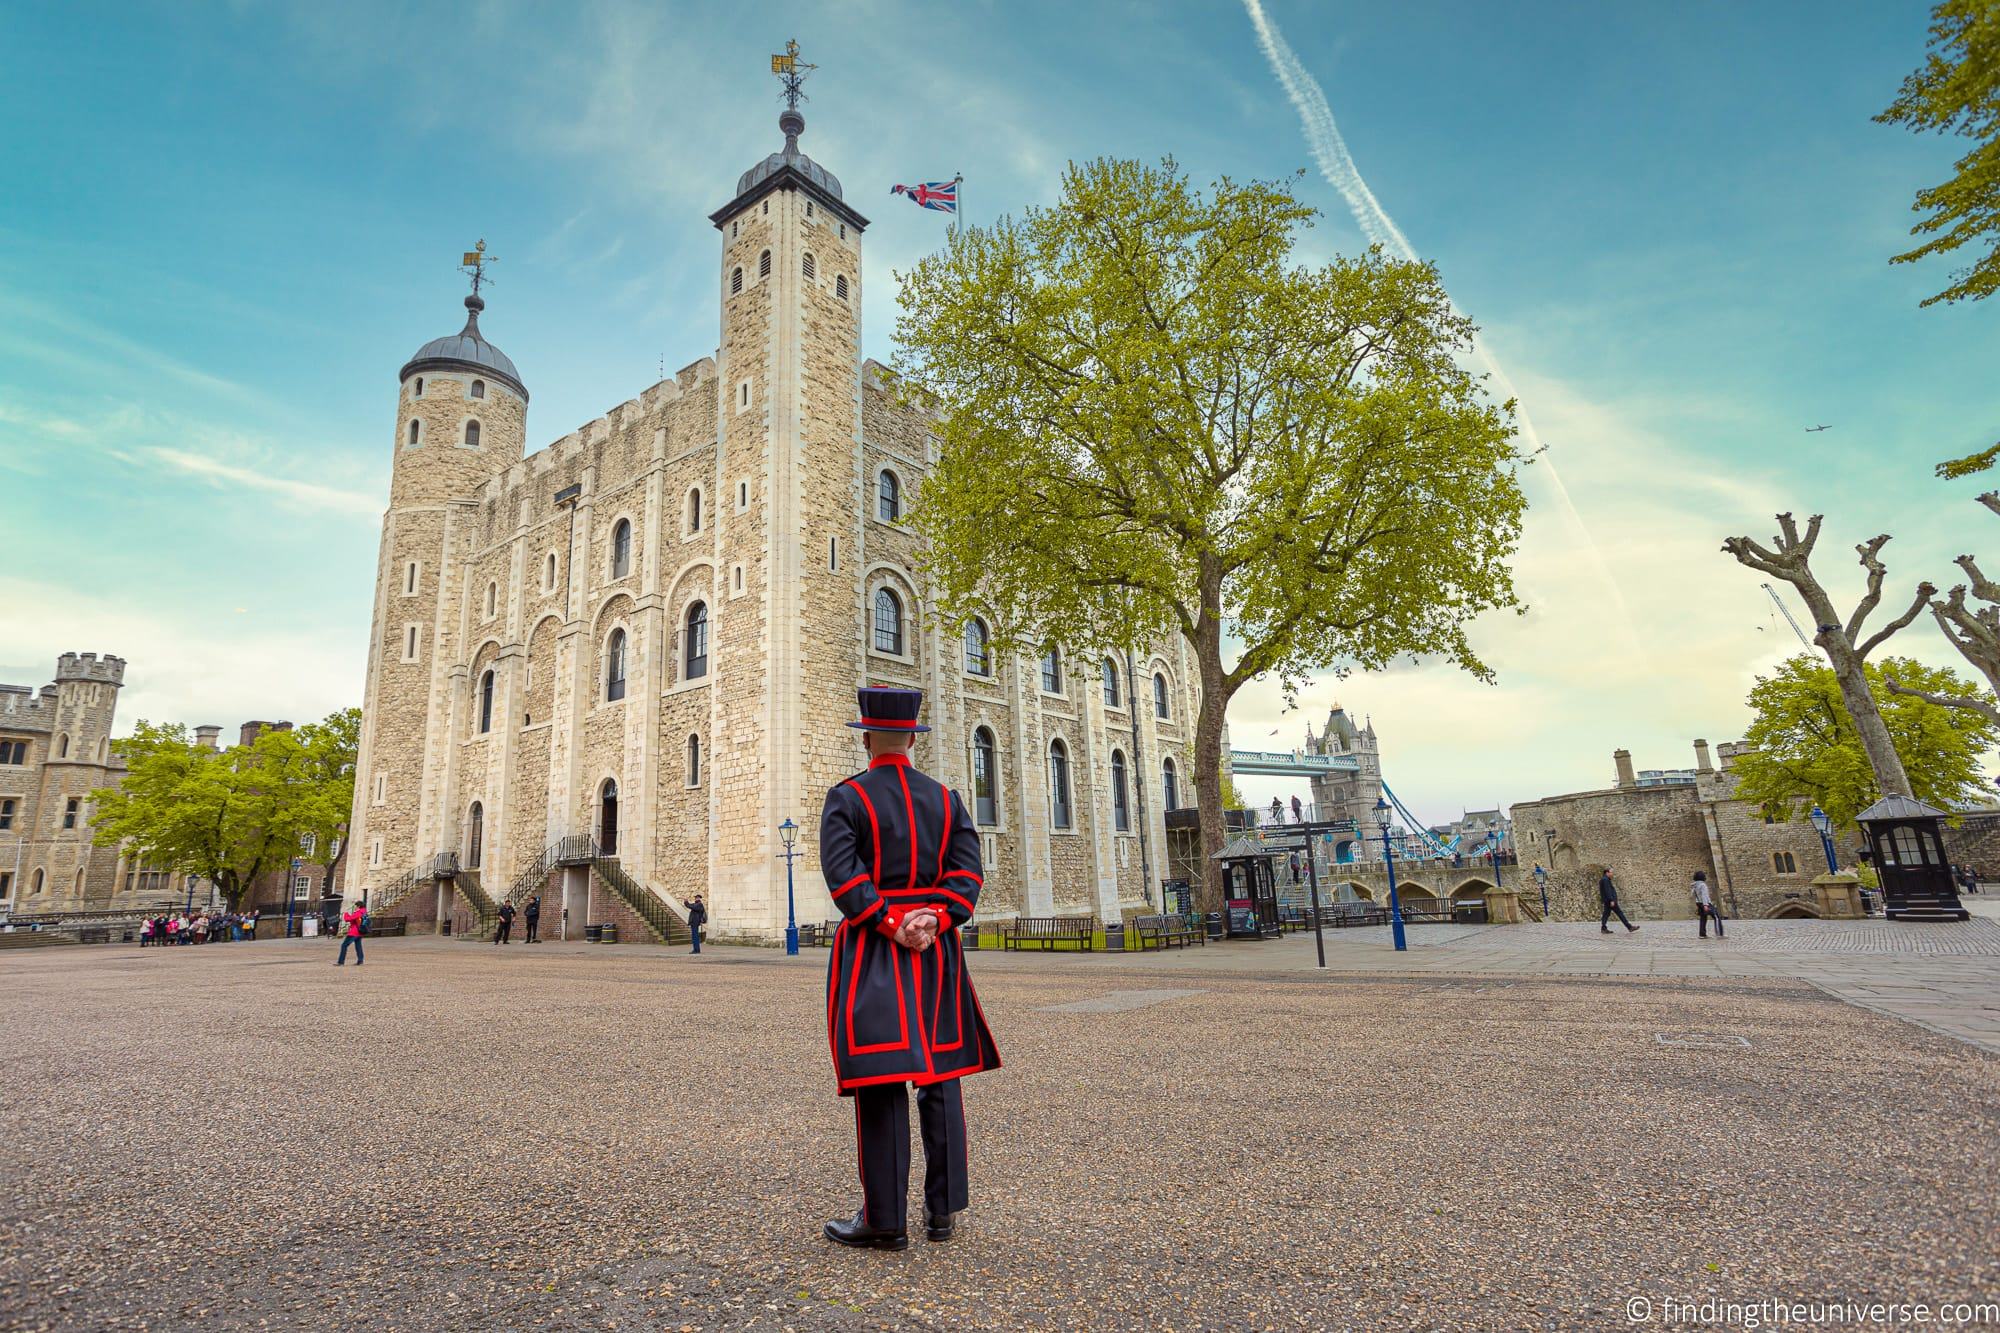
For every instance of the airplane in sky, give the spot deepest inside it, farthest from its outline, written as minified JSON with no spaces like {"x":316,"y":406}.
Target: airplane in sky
{"x":1814,"y":429}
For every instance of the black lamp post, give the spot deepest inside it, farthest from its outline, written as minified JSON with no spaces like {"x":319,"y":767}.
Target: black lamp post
{"x":788,"y":832}
{"x":1823,"y":822}
{"x":1389,"y":856}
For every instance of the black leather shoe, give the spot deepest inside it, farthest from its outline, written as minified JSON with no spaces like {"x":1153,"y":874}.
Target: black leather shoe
{"x":852,"y":1231}
{"x":939,"y":1226}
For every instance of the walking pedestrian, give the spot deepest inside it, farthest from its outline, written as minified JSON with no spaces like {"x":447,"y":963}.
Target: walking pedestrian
{"x":697,"y":918}
{"x":506,"y":926}
{"x":1704,"y":904}
{"x":896,"y":960}
{"x":1607,"y":893}
{"x":532,"y":915}
{"x":1298,"y":811}
{"x":355,"y":918}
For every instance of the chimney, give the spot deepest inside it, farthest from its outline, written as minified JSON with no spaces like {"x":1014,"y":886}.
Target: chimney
{"x":252,"y":730}
{"x":1701,"y":763}
{"x":1627,"y":779}
{"x":205,"y":737}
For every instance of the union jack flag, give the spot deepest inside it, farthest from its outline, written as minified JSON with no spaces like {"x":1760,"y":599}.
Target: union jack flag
{"x":941,"y":196}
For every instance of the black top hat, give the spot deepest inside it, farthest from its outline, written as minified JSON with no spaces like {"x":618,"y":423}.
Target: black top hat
{"x":889,"y":708}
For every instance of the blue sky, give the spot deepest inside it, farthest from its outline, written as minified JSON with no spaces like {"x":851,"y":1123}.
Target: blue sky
{"x":224,"y":227}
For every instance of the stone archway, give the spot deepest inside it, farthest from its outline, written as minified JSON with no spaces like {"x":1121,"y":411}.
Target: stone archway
{"x":607,"y":817}
{"x":1791,"y":909}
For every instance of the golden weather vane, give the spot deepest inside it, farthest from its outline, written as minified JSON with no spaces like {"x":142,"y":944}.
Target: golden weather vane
{"x":791,"y":72}
{"x":474,"y":265}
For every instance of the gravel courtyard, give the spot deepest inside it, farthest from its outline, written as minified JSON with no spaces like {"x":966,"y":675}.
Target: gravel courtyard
{"x":571,"y":1137}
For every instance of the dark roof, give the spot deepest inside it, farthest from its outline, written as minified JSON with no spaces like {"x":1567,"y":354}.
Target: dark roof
{"x":466,"y":350}
{"x":789,"y":168}
{"x":1899,"y":807}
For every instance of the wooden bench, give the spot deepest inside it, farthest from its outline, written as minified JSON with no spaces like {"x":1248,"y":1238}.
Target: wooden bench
{"x":1049,"y":931}
{"x":1164,"y":932}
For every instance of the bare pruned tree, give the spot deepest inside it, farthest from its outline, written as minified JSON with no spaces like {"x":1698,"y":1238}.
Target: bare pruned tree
{"x":1789,"y":557}
{"x":1973,"y":630}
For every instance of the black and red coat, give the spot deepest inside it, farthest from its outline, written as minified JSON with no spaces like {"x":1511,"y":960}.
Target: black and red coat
{"x":892,"y":841}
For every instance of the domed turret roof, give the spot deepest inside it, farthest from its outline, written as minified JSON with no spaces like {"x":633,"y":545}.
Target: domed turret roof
{"x":792,"y":124}
{"x":467,"y":350}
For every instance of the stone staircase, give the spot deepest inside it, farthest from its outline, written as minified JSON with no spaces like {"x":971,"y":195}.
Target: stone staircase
{"x":662,"y":922}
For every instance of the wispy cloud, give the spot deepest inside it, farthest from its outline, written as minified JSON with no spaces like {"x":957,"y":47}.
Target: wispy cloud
{"x":1336,"y":165}
{"x":306,"y":494}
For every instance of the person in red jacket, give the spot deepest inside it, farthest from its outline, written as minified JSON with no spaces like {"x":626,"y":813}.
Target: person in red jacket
{"x":353,"y":917}
{"x":901,"y":859}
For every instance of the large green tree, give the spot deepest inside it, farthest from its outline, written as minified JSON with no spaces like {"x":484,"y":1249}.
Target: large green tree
{"x":329,"y":751}
{"x":230,"y":815}
{"x":1154,"y":418}
{"x":1805,"y":749}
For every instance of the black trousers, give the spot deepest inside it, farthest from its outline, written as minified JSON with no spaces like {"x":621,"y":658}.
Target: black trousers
{"x":534,"y":929}
{"x":1609,"y":908}
{"x":502,"y":931}
{"x":882,"y":1142}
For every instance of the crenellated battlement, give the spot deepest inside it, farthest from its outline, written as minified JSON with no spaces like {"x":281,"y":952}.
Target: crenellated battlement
{"x":24,"y":710}
{"x":88,"y":666}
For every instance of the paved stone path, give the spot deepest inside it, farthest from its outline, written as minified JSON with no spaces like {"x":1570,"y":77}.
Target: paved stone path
{"x":578,"y":1137}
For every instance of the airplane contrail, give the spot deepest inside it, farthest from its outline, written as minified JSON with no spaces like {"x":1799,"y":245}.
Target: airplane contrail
{"x":1336,"y":164}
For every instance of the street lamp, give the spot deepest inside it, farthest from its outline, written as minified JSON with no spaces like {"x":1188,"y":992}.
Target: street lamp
{"x":788,"y":832}
{"x":1389,"y":856}
{"x":1822,"y":821}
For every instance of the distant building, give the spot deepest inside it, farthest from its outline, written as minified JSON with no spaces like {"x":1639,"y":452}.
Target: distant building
{"x":1476,"y":833}
{"x":1653,"y":837}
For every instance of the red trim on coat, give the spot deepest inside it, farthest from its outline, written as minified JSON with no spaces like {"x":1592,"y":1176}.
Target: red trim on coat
{"x":945,"y":841}
{"x":909,"y":814}
{"x":898,"y":757}
{"x":972,"y":875}
{"x":874,"y":829}
{"x":902,"y":1043}
{"x":958,"y":898}
{"x":867,"y":911}
{"x":850,"y":884}
{"x":914,"y":1080}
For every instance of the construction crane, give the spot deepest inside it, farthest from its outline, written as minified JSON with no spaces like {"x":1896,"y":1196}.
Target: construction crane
{"x":1780,"y":603}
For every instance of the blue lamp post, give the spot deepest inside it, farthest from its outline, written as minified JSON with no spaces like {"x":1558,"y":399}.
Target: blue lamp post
{"x":1823,"y":822}
{"x":1389,"y":856}
{"x":789,"y":832}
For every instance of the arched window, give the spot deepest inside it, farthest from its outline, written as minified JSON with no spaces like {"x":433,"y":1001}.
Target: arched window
{"x":475,"y":834}
{"x":79,"y":881}
{"x":38,"y":881}
{"x":1121,"y":807}
{"x":621,"y":549}
{"x":62,"y":746}
{"x":978,"y":652}
{"x":418,"y":390}
{"x":410,"y":577}
{"x":1784,"y":864}
{"x":985,"y":789}
{"x":614,"y":667}
{"x":1110,"y":683}
{"x":888,"y":622}
{"x":1051,"y":671}
{"x":1160,"y":695}
{"x":764,"y":264}
{"x":735,"y":281}
{"x":607,"y":818}
{"x":415,"y":426}
{"x":1170,"y":785}
{"x":694,"y":642}
{"x":492,"y":600}
{"x":840,"y":286}
{"x":888,"y":497}
{"x":694,"y":511}
{"x":694,"y":761}
{"x":472,"y":434}
{"x":549,"y":576}
{"x":1058,"y":785}
{"x":486,"y":702}
{"x":479,"y":388}
{"x":808,"y":266}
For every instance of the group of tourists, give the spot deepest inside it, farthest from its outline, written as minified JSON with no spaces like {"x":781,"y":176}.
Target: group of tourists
{"x":197,"y":928}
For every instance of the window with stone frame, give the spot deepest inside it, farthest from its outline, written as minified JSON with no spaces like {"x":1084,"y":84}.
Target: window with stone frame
{"x":478,"y":389}
{"x":1052,"y":681}
{"x":1111,"y":694}
{"x":475,"y":835}
{"x":486,"y":701}
{"x":614,"y":667}
{"x":1121,"y":806}
{"x":415,"y":433}
{"x":978,"y":648}
{"x":72,"y":808}
{"x":807,"y":268}
{"x":888,"y":497}
{"x":621,"y":549}
{"x":472,"y":434}
{"x":1160,"y":709}
{"x":694,"y":760}
{"x":13,"y":752}
{"x":840,"y":286}
{"x":693,"y":515}
{"x":888,"y":622}
{"x":694,"y":642}
{"x":1059,"y":809}
{"x":985,"y":779}
{"x":6,"y":812}
{"x":1170,"y":787}
{"x":736,"y":280}
{"x":1784,"y":863}
{"x":764,"y":263}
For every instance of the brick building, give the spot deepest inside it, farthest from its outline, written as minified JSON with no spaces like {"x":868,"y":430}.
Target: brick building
{"x":1653,"y":837}
{"x":649,"y":632}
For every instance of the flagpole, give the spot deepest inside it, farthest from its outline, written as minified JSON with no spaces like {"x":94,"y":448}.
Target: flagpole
{"x":958,"y":217}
